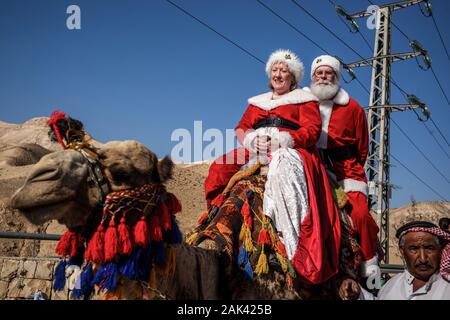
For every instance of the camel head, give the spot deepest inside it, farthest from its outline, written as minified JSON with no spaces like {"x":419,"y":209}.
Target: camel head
{"x":58,"y":186}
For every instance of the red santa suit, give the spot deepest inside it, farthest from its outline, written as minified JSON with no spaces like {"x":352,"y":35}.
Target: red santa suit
{"x":316,"y":254}
{"x":344,"y":141}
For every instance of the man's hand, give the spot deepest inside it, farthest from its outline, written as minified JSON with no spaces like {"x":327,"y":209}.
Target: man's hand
{"x":349,"y":290}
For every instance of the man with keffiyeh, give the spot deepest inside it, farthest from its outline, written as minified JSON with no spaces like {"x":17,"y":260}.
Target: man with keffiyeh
{"x":426,"y":250}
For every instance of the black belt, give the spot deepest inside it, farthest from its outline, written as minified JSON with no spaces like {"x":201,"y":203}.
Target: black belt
{"x":276,"y":122}
{"x":329,"y":156}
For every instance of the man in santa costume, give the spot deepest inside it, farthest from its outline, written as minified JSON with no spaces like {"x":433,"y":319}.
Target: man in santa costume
{"x":284,"y":125}
{"x":343,"y":144}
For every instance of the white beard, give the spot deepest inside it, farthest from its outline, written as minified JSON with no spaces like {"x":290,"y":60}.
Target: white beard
{"x":324,"y":90}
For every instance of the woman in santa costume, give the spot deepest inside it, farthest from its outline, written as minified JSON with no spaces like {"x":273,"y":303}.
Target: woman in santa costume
{"x":283,"y":126}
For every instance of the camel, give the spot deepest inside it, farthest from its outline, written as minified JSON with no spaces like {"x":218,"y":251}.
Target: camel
{"x":58,"y":187}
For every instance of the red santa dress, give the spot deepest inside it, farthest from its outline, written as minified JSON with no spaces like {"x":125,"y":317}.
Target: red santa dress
{"x":316,"y":255}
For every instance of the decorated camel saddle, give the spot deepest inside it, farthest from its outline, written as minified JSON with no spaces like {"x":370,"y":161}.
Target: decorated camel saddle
{"x":252,"y":250}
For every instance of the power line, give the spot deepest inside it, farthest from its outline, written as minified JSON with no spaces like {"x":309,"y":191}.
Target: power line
{"x":410,"y":40}
{"x":216,"y":32}
{"x":293,"y":27}
{"x":432,"y":121}
{"x":420,"y":151}
{"x":440,"y":86}
{"x":418,"y":178}
{"x":440,"y":36}
{"x":431,"y":133}
{"x":335,"y":5}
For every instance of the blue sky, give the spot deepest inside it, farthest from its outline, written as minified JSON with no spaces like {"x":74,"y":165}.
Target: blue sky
{"x":141,"y":69}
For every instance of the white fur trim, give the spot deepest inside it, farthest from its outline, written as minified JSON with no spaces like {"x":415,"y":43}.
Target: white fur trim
{"x":326,"y":109}
{"x":294,"y":64}
{"x":368,"y":266}
{"x":265,"y":101}
{"x":342,"y":98}
{"x":279,"y":138}
{"x":326,"y":60}
{"x":354,"y":185}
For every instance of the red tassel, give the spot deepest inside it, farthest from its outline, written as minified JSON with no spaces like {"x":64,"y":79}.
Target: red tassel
{"x":155,"y":228}
{"x":282,"y":249}
{"x":125,"y":244}
{"x":77,"y":242}
{"x":65,"y":244}
{"x":263,"y":237}
{"x":175,"y":204}
{"x":141,"y":233}
{"x":202,"y":217}
{"x":111,"y":241}
{"x":245,"y":210}
{"x":96,"y":246}
{"x":166,"y":222}
{"x":218,"y":201}
{"x":249,"y":221}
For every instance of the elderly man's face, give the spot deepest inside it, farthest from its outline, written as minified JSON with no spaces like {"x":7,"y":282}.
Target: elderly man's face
{"x":324,"y":74}
{"x":422,"y":254}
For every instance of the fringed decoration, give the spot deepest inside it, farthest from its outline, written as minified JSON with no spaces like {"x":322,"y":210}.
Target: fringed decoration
{"x":60,"y":276}
{"x":125,"y":244}
{"x":145,"y":263}
{"x":155,"y":228}
{"x":262,"y":267}
{"x":175,"y":204}
{"x":166,"y":221}
{"x":77,"y":294}
{"x":111,"y":241}
{"x":95,"y":251}
{"x":246,"y":236}
{"x":106,"y":277}
{"x":283,"y":262}
{"x":177,"y":237}
{"x":86,"y":281}
{"x":65,"y":243}
{"x":263,"y":237}
{"x":130,"y":267}
{"x":141,"y":233}
{"x":160,"y":253}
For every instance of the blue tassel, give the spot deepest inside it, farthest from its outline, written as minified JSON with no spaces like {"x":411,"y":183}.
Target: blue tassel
{"x":130,"y":267}
{"x":177,"y":237}
{"x":160,"y":253}
{"x":145,"y":263}
{"x":248,"y":271}
{"x":77,"y":294}
{"x":86,"y":281}
{"x":60,"y":276}
{"x":242,"y":256}
{"x":106,"y":277}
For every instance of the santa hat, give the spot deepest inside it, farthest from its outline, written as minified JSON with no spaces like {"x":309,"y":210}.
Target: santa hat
{"x":326,"y":60}
{"x":293,"y":63}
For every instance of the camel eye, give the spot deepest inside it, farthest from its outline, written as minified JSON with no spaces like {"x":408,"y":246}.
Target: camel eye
{"x":118,"y":174}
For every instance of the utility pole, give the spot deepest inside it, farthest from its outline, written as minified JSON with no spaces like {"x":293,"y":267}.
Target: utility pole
{"x":379,"y":113}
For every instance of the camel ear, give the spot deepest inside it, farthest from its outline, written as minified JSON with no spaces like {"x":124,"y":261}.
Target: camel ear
{"x":165,"y":169}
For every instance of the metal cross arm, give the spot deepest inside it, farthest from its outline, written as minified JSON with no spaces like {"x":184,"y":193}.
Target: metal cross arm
{"x":393,"y":58}
{"x":391,"y":6}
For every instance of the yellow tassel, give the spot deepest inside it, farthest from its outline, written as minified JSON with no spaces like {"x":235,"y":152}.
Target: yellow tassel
{"x":283,"y":262}
{"x":341,"y":197}
{"x":262,"y":267}
{"x":246,"y":237}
